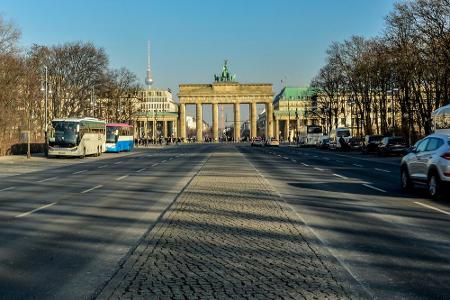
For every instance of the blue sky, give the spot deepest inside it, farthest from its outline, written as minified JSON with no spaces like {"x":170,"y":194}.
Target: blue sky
{"x":264,"y":40}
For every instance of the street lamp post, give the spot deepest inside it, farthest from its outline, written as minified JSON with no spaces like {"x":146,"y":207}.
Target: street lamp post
{"x":289,"y":122}
{"x":296,"y":126}
{"x":351,"y":102}
{"x":45,"y":89}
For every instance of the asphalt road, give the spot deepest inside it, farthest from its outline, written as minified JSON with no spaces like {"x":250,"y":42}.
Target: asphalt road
{"x":65,"y":228}
{"x":394,"y":245}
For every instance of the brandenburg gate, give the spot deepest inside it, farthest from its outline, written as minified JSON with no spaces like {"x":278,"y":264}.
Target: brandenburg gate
{"x":225,"y":90}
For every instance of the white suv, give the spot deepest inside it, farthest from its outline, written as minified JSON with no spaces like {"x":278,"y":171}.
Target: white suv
{"x":428,"y":162}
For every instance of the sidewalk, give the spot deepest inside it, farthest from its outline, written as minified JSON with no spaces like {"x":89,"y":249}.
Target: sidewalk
{"x":227,"y":236}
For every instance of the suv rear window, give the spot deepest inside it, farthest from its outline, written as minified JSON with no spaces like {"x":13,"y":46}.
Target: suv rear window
{"x":396,"y":141}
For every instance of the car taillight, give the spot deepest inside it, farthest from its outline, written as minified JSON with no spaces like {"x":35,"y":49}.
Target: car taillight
{"x":446,"y":155}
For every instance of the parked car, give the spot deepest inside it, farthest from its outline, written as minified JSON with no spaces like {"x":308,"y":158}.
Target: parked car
{"x":355,"y":143}
{"x":273,"y":142}
{"x":257,"y":142}
{"x":392,"y":145}
{"x":428,"y":162}
{"x":370,"y":143}
{"x":323,"y":143}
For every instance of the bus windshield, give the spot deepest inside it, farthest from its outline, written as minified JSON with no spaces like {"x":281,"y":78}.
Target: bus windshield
{"x":343,"y":133}
{"x":65,"y":134}
{"x":111,"y":134}
{"x":314,"y":129}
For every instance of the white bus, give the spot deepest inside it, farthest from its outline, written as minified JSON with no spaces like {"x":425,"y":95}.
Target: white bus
{"x":309,"y":135}
{"x":336,"y":134}
{"x":441,"y":120}
{"x":77,"y":137}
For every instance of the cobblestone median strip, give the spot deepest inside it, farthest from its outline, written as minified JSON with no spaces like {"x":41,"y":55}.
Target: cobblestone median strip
{"x":227,"y":236}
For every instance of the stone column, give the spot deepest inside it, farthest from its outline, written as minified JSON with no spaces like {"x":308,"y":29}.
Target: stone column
{"x":286,"y":130}
{"x":174,"y":129}
{"x":237,"y":122}
{"x":215,"y":121}
{"x":277,"y":129}
{"x":269,"y":120}
{"x":145,"y":128}
{"x":165,"y":129}
{"x":253,"y":116}
{"x":199,"y":125}
{"x":182,"y":127}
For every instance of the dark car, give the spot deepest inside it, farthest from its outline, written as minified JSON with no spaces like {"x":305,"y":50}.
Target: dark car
{"x":392,"y":145}
{"x":370,"y":143}
{"x":355,"y":143}
{"x":323,"y":144}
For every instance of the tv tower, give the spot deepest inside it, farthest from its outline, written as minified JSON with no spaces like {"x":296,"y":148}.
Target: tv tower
{"x":148,"y":78}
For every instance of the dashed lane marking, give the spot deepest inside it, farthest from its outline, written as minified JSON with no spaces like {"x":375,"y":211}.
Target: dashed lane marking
{"x":164,"y":161}
{"x":433,"y":208}
{"x":382,"y":170}
{"x":319,"y":169}
{"x":358,"y":165}
{"x":35,"y":210}
{"x":79,"y":172}
{"x":7,"y":189}
{"x":47,"y":179}
{"x":91,"y":189}
{"x":119,"y":162}
{"x":374,"y":188}
{"x":284,"y":157}
{"x":140,"y":170}
{"x":340,"y":176}
{"x":101,"y":167}
{"x":293,"y":160}
{"x":306,"y":165}
{"x":122,"y":177}
{"x":154,"y":165}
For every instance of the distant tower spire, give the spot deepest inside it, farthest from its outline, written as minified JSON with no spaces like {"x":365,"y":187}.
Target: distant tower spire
{"x":148,"y":78}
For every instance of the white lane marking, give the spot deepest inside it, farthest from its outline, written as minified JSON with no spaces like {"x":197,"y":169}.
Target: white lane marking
{"x":7,"y":189}
{"x":101,"y":167}
{"x":79,"y":172}
{"x":305,"y":165}
{"x":433,"y":208}
{"x":171,"y":158}
{"x":140,"y":170}
{"x":326,"y":158}
{"x":35,"y":210}
{"x":150,"y":155}
{"x":118,"y":162}
{"x":319,"y":169}
{"x":121,"y":177}
{"x":340,"y":176}
{"x":278,"y":155}
{"x":91,"y":189}
{"x":154,"y":165}
{"x":47,"y":179}
{"x":293,"y":160}
{"x":284,"y":157}
{"x":316,"y":156}
{"x":382,"y":170}
{"x":358,"y":165}
{"x":374,"y":188}
{"x":164,"y":161}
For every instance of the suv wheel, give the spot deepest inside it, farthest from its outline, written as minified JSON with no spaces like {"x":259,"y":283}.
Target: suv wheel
{"x":434,"y":185}
{"x":405,"y":181}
